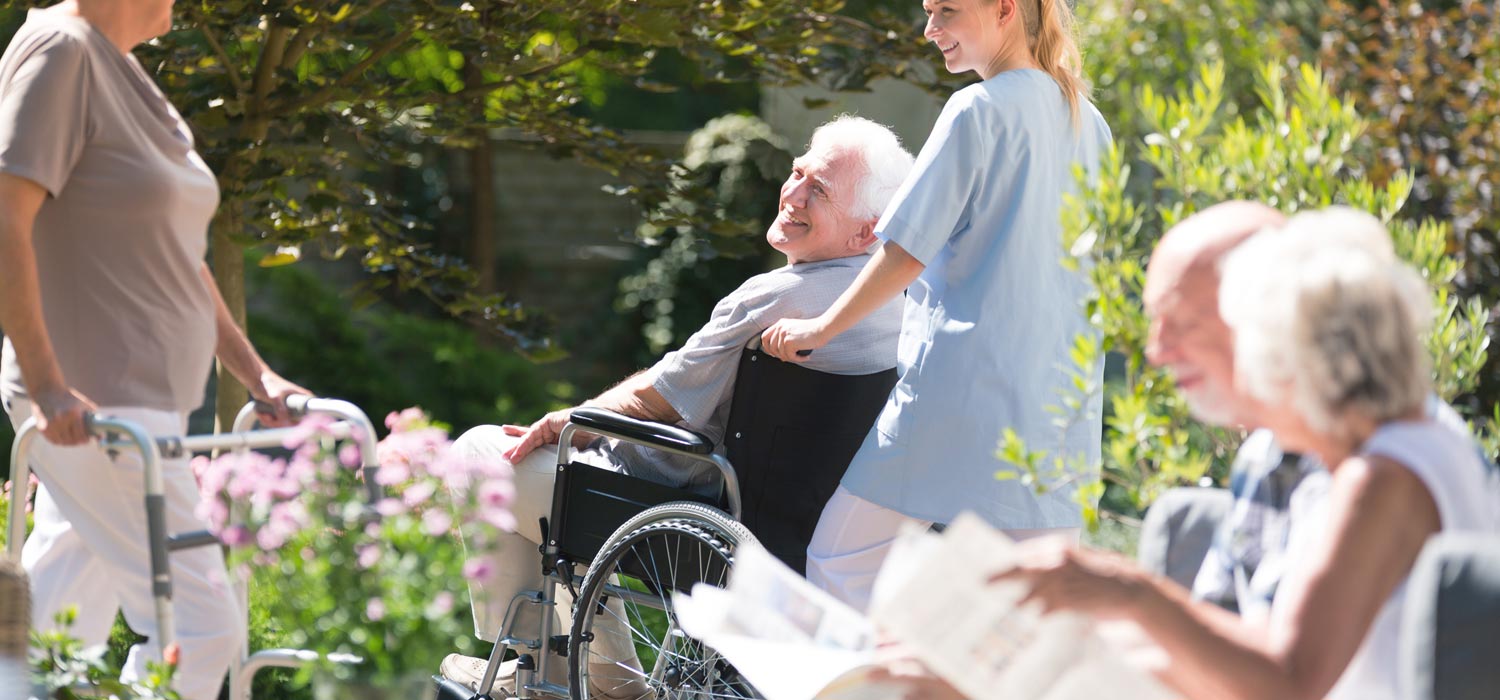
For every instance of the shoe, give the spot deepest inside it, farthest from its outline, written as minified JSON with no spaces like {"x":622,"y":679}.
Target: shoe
{"x":469,"y":671}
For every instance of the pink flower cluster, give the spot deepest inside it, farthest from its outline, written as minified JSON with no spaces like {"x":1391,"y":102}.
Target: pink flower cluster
{"x":250,"y":498}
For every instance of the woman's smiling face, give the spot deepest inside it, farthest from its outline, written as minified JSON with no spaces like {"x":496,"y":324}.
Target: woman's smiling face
{"x":967,"y":32}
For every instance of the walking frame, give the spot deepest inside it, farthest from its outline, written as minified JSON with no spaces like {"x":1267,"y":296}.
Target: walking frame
{"x":115,"y":434}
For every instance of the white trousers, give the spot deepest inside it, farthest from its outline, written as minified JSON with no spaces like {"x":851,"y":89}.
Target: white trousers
{"x":853,"y":538}
{"x":89,"y":550}
{"x":518,"y":563}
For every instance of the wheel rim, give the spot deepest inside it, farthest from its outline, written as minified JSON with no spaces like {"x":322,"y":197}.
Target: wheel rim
{"x":667,"y":663}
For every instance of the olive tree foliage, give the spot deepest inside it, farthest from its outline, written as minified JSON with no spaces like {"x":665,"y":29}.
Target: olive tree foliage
{"x":302,"y":107}
{"x":1295,"y":150}
{"x":1129,"y":44}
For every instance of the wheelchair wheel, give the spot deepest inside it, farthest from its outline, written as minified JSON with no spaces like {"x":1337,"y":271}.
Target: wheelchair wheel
{"x":625,"y":641}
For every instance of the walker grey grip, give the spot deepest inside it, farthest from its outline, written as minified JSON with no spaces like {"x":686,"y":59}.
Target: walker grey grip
{"x":296,"y":404}
{"x":156,"y":527}
{"x":191,"y":540}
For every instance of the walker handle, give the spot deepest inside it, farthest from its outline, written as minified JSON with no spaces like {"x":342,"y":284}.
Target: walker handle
{"x":296,"y":406}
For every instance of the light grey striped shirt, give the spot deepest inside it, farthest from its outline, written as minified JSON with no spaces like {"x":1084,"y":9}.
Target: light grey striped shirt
{"x":698,"y":378}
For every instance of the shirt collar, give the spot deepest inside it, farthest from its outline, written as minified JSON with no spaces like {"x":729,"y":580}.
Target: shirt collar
{"x":851,"y":261}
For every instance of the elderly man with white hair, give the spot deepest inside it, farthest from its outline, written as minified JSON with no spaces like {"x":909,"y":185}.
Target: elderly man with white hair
{"x":1326,"y":326}
{"x":825,"y":226}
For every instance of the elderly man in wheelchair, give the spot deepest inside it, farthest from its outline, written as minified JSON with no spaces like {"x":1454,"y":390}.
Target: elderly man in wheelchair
{"x":634,"y":484}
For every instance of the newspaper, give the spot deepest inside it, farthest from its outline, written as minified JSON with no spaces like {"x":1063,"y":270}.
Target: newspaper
{"x":933,"y":596}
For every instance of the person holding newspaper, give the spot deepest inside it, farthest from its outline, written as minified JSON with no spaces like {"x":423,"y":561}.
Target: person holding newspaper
{"x":1326,"y":325}
{"x":973,"y":239}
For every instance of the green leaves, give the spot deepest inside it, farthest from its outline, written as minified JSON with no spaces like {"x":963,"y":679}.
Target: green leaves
{"x":61,"y":665}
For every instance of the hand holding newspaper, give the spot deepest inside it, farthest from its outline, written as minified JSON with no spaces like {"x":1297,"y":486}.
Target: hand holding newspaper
{"x":795,"y":642}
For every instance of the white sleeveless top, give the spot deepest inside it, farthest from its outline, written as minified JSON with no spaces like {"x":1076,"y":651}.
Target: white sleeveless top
{"x":1466,"y":489}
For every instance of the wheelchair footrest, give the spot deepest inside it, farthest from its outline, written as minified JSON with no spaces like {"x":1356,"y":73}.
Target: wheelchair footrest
{"x":453,"y":690}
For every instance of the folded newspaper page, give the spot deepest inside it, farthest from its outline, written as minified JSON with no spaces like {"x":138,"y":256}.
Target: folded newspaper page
{"x":975,"y":635}
{"x":788,"y":638}
{"x":796,"y":642}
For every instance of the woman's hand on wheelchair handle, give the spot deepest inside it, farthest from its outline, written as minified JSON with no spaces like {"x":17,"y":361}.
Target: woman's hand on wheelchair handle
{"x":793,"y":339}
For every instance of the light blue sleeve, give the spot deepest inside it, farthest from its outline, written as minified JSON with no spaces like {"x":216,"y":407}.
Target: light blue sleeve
{"x":933,"y":204}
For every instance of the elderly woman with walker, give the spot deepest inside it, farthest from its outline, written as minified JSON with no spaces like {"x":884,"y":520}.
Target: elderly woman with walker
{"x":974,"y":237}
{"x":108,"y":306}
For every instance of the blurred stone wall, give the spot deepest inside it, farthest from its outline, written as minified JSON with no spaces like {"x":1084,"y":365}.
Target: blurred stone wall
{"x":562,"y":243}
{"x":907,"y":109}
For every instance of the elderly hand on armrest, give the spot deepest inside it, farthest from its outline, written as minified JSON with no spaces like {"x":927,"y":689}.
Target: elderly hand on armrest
{"x":545,"y":431}
{"x":634,"y":397}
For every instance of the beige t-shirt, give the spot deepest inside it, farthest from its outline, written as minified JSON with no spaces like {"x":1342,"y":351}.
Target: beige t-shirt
{"x":121,"y":238}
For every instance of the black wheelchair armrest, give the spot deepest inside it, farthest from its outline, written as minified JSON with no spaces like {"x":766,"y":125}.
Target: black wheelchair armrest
{"x":645,"y":432}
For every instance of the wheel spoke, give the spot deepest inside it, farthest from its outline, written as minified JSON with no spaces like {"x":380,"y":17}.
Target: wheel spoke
{"x":671,"y":554}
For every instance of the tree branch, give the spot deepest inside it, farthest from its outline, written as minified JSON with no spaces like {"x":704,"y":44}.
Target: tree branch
{"x":511,"y":78}
{"x":344,"y":80}
{"x":271,"y":51}
{"x":298,"y":45}
{"x":231,"y":70}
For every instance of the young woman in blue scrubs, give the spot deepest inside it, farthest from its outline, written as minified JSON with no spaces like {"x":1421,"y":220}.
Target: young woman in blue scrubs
{"x":974,"y":237}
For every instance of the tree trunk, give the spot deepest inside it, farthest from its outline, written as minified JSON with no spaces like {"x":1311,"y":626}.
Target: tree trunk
{"x":482,"y":222}
{"x":482,"y":183}
{"x":229,"y":274}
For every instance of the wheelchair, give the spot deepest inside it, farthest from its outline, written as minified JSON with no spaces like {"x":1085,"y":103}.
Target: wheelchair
{"x":791,"y":434}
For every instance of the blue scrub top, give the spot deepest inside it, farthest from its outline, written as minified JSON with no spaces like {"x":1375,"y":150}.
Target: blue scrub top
{"x":988,"y":326}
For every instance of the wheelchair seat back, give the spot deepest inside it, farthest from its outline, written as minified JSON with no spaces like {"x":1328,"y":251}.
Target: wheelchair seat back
{"x":791,"y":435}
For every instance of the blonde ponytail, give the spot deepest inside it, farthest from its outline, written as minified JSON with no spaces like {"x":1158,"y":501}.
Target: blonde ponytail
{"x":1054,"y":47}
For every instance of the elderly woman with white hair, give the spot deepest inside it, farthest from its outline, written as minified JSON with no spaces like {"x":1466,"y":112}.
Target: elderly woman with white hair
{"x":1327,"y":324}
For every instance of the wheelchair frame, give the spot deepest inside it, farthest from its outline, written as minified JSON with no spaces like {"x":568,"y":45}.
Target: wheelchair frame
{"x":116,"y":434}
{"x":558,"y":570}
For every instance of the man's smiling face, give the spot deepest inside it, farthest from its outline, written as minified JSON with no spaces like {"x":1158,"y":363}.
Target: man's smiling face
{"x":812,"y":222}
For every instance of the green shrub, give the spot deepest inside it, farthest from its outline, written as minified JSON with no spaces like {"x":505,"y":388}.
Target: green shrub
{"x":1128,"y":45}
{"x":1424,"y":74}
{"x":385,"y":360}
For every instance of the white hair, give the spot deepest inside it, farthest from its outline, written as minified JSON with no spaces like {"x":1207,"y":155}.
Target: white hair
{"x":884,"y":161}
{"x":1328,"y":319}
